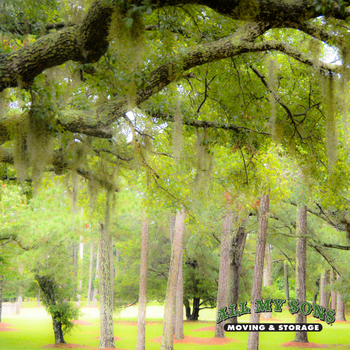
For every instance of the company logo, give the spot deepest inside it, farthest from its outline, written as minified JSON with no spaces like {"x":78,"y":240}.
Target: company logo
{"x":269,"y":305}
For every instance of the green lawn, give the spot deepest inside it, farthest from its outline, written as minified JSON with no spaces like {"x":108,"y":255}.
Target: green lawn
{"x":35,"y":330}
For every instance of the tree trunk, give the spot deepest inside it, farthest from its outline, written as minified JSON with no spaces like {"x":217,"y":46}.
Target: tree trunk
{"x":316,"y":291}
{"x":188,"y":309}
{"x":223,"y":272}
{"x":333,"y":297}
{"x":94,"y":302}
{"x":172,"y":235}
{"x":300,"y":263}
{"x":38,"y":298}
{"x":168,"y":326}
{"x":253,"y":339}
{"x":112,"y":271}
{"x":20,"y":296}
{"x":106,"y":306}
{"x":141,"y":319}
{"x":90,"y":273}
{"x":267,"y":274}
{"x":47,"y":286}
{"x":81,"y":255}
{"x":340,"y":306}
{"x":286,"y":281}
{"x":179,"y":324}
{"x":1,"y":293}
{"x":323,"y":291}
{"x":75,"y":266}
{"x":235,"y":267}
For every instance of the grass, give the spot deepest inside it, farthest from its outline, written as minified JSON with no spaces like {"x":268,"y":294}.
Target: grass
{"x":35,"y":331}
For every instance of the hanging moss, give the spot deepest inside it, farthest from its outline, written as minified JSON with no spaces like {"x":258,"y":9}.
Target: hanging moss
{"x":205,"y":161}
{"x":127,"y":39}
{"x":177,"y":133}
{"x":331,"y":131}
{"x":315,"y":48}
{"x":272,"y":75}
{"x":344,"y":90}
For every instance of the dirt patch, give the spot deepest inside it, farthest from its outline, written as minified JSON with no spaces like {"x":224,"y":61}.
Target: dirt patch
{"x":83,"y":323}
{"x":205,"y":329}
{"x":304,"y":345}
{"x":65,"y":346}
{"x":4,"y":327}
{"x":342,"y":321}
{"x":133,"y":323}
{"x":115,"y":338}
{"x":204,"y":341}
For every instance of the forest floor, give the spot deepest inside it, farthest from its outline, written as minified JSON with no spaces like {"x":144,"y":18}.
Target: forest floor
{"x":32,"y":330}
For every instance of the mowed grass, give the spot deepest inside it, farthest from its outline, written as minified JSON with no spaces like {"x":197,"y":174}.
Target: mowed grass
{"x":35,"y":330}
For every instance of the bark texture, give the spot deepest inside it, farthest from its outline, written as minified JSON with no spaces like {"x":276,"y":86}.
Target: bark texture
{"x":267,"y":273}
{"x":168,"y":325}
{"x":223,"y":272}
{"x":340,"y":306}
{"x":333,"y":293}
{"x":235,"y":267}
{"x":90,"y":273}
{"x":300,"y":281}
{"x":112,"y":270}
{"x":253,"y":339}
{"x":323,"y":290}
{"x":106,"y":306}
{"x":141,"y":318}
{"x":179,"y":325}
{"x":286,"y":280}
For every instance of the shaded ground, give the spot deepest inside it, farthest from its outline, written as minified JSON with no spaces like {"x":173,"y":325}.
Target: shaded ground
{"x":304,"y":345}
{"x":204,"y":341}
{"x":4,"y":327}
{"x":65,"y":346}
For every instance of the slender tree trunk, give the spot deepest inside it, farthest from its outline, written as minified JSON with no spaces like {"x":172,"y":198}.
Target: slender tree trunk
{"x":168,"y":326}
{"x":172,"y":235}
{"x":316,"y":291}
{"x":300,"y":263}
{"x":94,"y":302}
{"x":223,"y":272}
{"x":267,"y":273}
{"x":81,"y":255}
{"x":333,"y":297}
{"x":141,"y":319}
{"x":179,"y":325}
{"x":106,"y":306}
{"x":340,"y":306}
{"x":90,"y":273}
{"x":112,"y":271}
{"x":75,"y":265}
{"x":20,"y":296}
{"x":253,"y":338}
{"x":286,"y":280}
{"x":235,"y":267}
{"x":188,"y":309}
{"x":323,"y":291}
{"x":38,"y":298}
{"x":1,"y":293}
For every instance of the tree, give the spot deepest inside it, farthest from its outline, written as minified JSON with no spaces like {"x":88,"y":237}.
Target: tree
{"x":141,"y":319}
{"x":301,"y":269}
{"x":253,"y":340}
